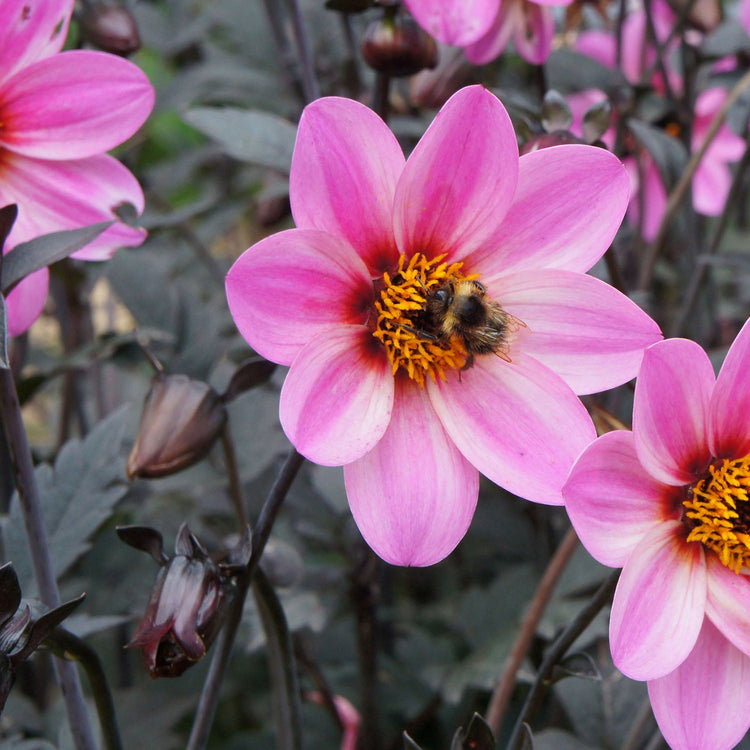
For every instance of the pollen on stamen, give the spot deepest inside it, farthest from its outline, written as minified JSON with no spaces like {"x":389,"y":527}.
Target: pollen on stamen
{"x":718,"y":509}
{"x":401,"y":304}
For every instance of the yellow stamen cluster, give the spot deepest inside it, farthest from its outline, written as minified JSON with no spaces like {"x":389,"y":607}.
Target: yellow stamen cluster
{"x":719,"y":512}
{"x":400,"y":311}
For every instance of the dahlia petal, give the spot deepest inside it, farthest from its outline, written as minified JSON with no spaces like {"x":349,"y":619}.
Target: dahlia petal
{"x":460,"y":179}
{"x":412,"y":510}
{"x":705,"y":702}
{"x":31,"y":31}
{"x":730,"y":402}
{"x":456,"y":22}
{"x":654,"y":196}
{"x":518,"y":423}
{"x":533,"y":39}
{"x":25,"y":301}
{"x":584,"y":330}
{"x":659,"y":604}
{"x":670,"y":411}
{"x":286,"y":288}
{"x":337,"y":398}
{"x":344,"y":172}
{"x":711,"y":185}
{"x":598,"y":45}
{"x":73,"y":105}
{"x":493,"y":42}
{"x":57,"y":195}
{"x":611,"y":500}
{"x":567,"y":208}
{"x":729,"y":602}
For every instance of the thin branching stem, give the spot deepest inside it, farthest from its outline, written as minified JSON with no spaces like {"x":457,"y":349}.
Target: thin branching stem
{"x":556,"y":652}
{"x":506,"y":684}
{"x":209,"y":699}
{"x":36,"y":534}
{"x":678,"y":193}
{"x":233,"y":475}
{"x":92,"y":665}
{"x":309,"y":79}
{"x":693,"y":285}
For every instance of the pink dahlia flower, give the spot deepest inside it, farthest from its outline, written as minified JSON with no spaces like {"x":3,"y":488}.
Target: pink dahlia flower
{"x":668,"y":502}
{"x":59,"y":113}
{"x":410,"y":409}
{"x":529,"y":23}
{"x":484,"y":27}
{"x":456,"y":22}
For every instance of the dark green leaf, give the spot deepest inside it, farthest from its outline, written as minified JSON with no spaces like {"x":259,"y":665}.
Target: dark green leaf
{"x":527,"y":740}
{"x":728,"y":38}
{"x":250,"y":373}
{"x":77,"y":497}
{"x":42,"y":251}
{"x":669,"y":154}
{"x":409,"y":743}
{"x":477,"y":736}
{"x":8,"y":216}
{"x":248,"y":135}
{"x":571,"y":71}
{"x":576,"y":665}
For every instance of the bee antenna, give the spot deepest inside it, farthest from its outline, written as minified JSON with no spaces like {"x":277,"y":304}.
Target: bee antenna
{"x":421,"y":283}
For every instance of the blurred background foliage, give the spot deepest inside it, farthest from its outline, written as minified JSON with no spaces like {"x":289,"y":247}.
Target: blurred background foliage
{"x":413,"y":649}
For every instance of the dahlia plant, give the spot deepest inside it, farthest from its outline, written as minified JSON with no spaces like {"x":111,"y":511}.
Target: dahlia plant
{"x":415,"y":417}
{"x":59,"y":113}
{"x":668,"y":502}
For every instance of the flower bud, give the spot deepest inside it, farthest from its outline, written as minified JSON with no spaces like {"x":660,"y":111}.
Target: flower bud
{"x":188,"y":601}
{"x":20,"y":633}
{"x":181,"y":419}
{"x":110,"y":27}
{"x":397,"y":46}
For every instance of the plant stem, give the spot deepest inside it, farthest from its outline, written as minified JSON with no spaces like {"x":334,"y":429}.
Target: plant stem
{"x":681,"y":188}
{"x":209,"y":699}
{"x":309,"y":79}
{"x":700,"y":267}
{"x":504,"y":689}
{"x":364,"y":594}
{"x":28,"y":497}
{"x":557,"y":651}
{"x":284,"y":682}
{"x":235,"y":486}
{"x":89,"y":660}
{"x":381,"y":95}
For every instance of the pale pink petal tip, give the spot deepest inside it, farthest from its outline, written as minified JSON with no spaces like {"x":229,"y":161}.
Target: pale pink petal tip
{"x":412,"y":509}
{"x":26,"y":300}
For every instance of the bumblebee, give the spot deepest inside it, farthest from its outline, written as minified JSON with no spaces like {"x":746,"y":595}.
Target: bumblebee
{"x":463,"y":309}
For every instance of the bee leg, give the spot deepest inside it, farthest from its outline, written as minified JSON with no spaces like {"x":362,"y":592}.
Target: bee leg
{"x":468,"y":364}
{"x":421,"y":334}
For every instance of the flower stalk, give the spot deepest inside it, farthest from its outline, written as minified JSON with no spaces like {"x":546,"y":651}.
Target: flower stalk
{"x":28,"y":497}
{"x":209,"y":698}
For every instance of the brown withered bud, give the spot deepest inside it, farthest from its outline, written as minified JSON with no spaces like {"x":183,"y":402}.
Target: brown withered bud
{"x":181,"y":420}
{"x":188,"y":602}
{"x":110,"y":27}
{"x":20,"y":633}
{"x":397,"y":46}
